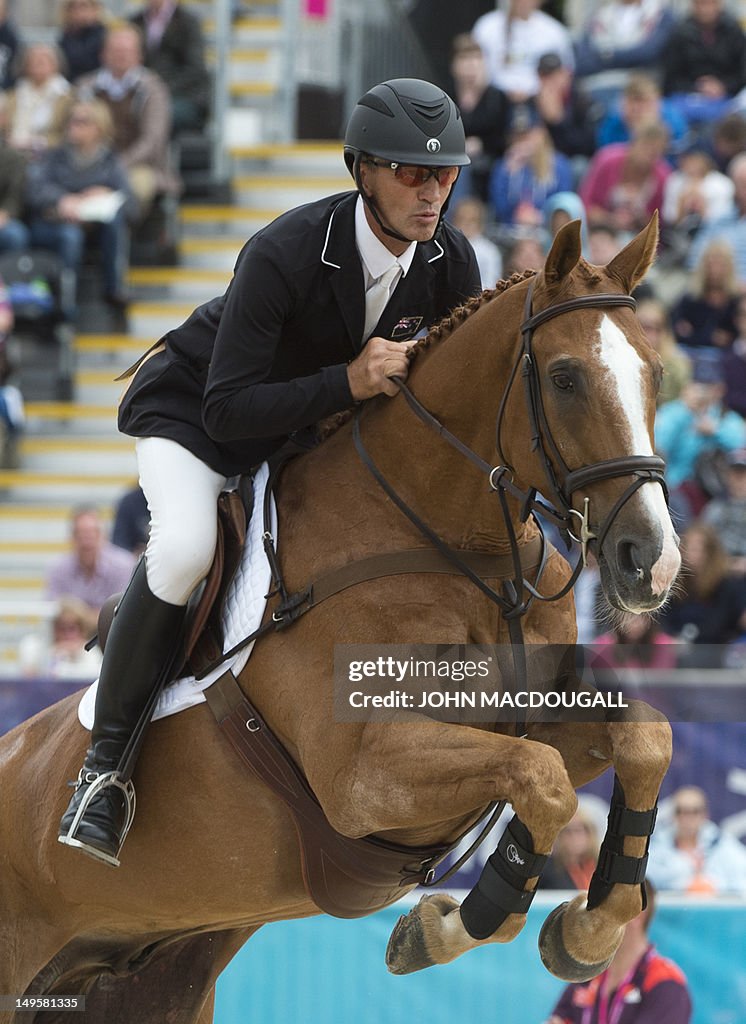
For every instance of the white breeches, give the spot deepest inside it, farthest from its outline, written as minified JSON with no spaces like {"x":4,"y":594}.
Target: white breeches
{"x":182,"y":493}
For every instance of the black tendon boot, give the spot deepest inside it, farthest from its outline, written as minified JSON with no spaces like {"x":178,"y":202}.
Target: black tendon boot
{"x":140,"y":646}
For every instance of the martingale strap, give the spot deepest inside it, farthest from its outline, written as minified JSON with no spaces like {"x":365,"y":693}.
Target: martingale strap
{"x":500,"y":890}
{"x":614,"y":866}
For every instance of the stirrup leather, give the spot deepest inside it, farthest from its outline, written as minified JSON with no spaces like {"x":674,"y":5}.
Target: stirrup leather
{"x":96,"y":782}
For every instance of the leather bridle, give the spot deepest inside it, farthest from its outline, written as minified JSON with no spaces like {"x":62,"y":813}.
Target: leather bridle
{"x":562,"y":482}
{"x":645,"y":468}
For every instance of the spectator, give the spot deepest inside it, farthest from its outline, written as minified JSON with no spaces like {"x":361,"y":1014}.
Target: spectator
{"x":574,"y":855}
{"x":13,"y":232}
{"x":564,"y":109}
{"x":131,"y":522}
{"x":624,"y":183}
{"x":560,"y":209}
{"x":727,"y":515}
{"x":63,"y":656}
{"x":525,"y":253}
{"x":80,"y":191}
{"x":704,"y":61}
{"x":733,"y":363}
{"x":94,"y":569}
{"x":677,"y":367}
{"x":636,"y":641}
{"x":696,"y":193}
{"x":485,"y":111}
{"x":513,"y":42}
{"x":140,"y":108}
{"x":641,"y":104}
{"x":35,"y":111}
{"x":175,"y":50}
{"x":469,"y":216}
{"x":709,"y":606}
{"x":623,"y":34}
{"x":82,"y":36}
{"x":692,"y":854}
{"x":727,"y":139}
{"x":703,"y":318}
{"x":529,"y":173}
{"x":696,"y":423}
{"x":12,"y":412}
{"x":603,"y":244}
{"x":9,"y":46}
{"x":732,"y":227}
{"x":638,"y":987}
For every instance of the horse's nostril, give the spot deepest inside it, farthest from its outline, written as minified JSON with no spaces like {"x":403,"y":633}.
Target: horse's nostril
{"x":629,"y":559}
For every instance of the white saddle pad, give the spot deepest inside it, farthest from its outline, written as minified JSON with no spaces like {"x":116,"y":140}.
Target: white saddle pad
{"x":242,"y":614}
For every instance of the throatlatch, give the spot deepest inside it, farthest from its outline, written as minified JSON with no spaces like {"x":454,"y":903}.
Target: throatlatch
{"x":614,"y":866}
{"x":499,"y":891}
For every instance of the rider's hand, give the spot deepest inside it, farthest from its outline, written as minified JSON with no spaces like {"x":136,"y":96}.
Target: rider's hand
{"x":380,"y":360}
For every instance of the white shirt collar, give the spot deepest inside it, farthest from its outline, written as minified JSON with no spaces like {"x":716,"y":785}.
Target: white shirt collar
{"x":375,"y":257}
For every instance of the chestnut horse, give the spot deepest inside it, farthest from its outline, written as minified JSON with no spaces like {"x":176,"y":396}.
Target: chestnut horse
{"x":213,"y":854}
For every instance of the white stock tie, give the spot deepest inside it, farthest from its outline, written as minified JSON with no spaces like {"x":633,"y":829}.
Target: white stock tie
{"x":377,"y":297}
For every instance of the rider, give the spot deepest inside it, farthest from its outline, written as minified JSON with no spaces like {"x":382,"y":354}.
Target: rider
{"x":305,"y":329}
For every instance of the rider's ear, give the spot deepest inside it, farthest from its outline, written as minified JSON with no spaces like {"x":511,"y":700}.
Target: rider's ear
{"x":632,"y":264}
{"x":565,"y":252}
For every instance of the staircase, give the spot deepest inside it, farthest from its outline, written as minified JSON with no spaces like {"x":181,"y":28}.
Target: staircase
{"x":71,"y":452}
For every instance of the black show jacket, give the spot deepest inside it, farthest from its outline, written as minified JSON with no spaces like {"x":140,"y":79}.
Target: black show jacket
{"x":270,"y":356}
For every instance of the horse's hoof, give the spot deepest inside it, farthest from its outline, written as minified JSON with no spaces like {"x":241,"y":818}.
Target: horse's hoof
{"x":407,"y":949}
{"x":554,"y":954}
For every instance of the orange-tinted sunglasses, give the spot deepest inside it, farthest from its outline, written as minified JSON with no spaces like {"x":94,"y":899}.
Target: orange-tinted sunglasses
{"x":413,"y":176}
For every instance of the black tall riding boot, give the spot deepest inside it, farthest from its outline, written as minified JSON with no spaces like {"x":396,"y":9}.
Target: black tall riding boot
{"x":141,"y":643}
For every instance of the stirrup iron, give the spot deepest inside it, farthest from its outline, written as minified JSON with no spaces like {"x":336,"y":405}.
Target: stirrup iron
{"x":99,"y":781}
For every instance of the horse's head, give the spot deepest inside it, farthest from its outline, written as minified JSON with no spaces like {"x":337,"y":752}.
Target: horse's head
{"x":589,"y":383}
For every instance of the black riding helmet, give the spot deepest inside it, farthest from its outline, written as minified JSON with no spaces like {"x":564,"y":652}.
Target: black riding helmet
{"x":406,"y":121}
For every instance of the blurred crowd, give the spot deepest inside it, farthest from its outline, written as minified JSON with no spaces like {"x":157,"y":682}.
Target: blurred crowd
{"x":88,"y":128}
{"x":642,"y":109}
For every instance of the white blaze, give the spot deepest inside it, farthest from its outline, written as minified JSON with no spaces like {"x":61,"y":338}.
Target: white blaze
{"x":625,"y":380}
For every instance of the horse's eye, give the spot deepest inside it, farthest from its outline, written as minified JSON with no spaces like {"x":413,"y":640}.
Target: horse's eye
{"x":563,"y":381}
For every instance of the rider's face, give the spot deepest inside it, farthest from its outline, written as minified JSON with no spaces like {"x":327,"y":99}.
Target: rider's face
{"x":412,"y":212}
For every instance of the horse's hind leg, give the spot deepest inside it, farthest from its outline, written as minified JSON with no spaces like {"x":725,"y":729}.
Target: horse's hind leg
{"x":579,"y":938}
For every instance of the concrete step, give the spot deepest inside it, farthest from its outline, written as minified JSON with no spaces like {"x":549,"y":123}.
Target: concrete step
{"x":211,"y":253}
{"x":38,"y":487}
{"x":26,"y":522}
{"x":30,"y":558}
{"x":72,"y":419}
{"x":18,"y":587}
{"x":114,"y":352}
{"x":166,"y":284}
{"x":231,"y":222}
{"x":154,"y":319}
{"x":70,"y":455}
{"x":273,"y":191}
{"x":295,"y":158}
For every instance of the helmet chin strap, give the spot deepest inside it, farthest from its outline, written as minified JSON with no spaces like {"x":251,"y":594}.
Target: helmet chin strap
{"x":377,"y":216}
{"x":374,"y":210}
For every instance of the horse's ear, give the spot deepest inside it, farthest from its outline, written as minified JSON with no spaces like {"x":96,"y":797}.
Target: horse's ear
{"x":565,"y":252}
{"x":632,"y":264}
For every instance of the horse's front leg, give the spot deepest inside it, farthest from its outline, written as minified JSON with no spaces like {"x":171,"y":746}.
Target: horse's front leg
{"x":579,"y":938}
{"x":406,"y":776}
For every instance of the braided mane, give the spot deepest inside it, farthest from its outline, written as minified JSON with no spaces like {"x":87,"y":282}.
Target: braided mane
{"x":438,"y":332}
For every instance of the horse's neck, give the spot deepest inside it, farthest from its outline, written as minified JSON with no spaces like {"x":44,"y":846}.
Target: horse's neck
{"x":460,"y":380}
